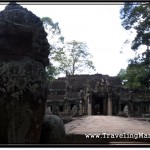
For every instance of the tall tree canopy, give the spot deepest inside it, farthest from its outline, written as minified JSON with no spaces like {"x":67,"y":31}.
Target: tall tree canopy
{"x":74,"y":57}
{"x":54,"y":33}
{"x":136,"y":16}
{"x":56,"y":41}
{"x":71,"y":57}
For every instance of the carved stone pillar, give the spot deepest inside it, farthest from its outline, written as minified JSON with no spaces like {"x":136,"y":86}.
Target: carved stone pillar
{"x":80,"y":107}
{"x":109,"y":102}
{"x":109,"y":105}
{"x":89,"y":105}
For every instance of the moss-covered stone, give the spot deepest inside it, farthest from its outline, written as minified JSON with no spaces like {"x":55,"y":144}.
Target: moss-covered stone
{"x":16,"y":78}
{"x":24,"y":51}
{"x":23,"y":94}
{"x":53,"y":130}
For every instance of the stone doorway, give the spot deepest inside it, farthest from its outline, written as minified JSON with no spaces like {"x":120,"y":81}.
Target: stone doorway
{"x":98,"y":106}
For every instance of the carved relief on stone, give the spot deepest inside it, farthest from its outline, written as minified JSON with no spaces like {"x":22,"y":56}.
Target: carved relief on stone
{"x":81,"y":95}
{"x":97,"y":87}
{"x":66,"y":96}
{"x":126,"y":111}
{"x":100,"y":88}
{"x":74,"y":110}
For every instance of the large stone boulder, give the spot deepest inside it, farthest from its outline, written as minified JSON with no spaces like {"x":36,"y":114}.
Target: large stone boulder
{"x":53,"y":130}
{"x":24,"y":54}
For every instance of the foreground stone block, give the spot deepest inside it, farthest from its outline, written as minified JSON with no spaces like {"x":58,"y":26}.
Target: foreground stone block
{"x":53,"y":130}
{"x":23,"y":81}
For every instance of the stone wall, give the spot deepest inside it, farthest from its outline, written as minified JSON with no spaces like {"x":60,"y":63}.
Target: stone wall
{"x":83,"y":89}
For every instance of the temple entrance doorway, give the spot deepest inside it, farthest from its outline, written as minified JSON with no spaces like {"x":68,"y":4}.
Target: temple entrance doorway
{"x":98,"y":104}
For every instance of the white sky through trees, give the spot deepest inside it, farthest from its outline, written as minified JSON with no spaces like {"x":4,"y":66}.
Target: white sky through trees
{"x":97,"y":25}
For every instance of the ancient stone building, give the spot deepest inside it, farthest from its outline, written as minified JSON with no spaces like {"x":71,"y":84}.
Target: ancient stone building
{"x":95,"y":95}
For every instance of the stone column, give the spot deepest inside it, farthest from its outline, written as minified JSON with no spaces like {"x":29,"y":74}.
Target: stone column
{"x":119,"y":107}
{"x":80,"y":107}
{"x":130,"y":104}
{"x":89,"y":105}
{"x":109,"y":107}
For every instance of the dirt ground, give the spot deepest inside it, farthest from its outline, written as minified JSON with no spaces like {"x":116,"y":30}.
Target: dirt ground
{"x":107,"y":124}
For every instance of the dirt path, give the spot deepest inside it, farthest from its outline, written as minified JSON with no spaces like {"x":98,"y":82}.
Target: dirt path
{"x":107,"y":124}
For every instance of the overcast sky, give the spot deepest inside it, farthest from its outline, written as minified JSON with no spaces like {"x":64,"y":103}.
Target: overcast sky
{"x":97,"y":25}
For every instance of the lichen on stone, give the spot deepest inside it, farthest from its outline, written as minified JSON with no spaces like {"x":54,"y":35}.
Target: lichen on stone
{"x":17,"y":77}
{"x":24,"y":51}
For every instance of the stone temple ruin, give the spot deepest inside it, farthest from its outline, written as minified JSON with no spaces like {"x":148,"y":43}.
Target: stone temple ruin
{"x":24,"y":89}
{"x":77,"y":95}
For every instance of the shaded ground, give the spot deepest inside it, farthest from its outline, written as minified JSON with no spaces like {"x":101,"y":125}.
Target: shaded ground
{"x":97,"y":125}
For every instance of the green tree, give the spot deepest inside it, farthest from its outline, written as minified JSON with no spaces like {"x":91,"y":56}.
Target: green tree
{"x":56,"y":41}
{"x":135,"y":76}
{"x":136,"y":17}
{"x":74,"y":57}
{"x":121,"y":74}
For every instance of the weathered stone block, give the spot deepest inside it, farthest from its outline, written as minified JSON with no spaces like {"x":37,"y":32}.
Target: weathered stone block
{"x":53,"y":130}
{"x":23,"y":94}
{"x":23,"y":80}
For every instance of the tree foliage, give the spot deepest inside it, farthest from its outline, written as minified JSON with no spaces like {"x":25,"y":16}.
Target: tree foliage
{"x":74,"y":57}
{"x":71,"y":57}
{"x":121,"y":74}
{"x":56,"y":41}
{"x":136,"y":16}
{"x":54,"y":32}
{"x":135,"y":76}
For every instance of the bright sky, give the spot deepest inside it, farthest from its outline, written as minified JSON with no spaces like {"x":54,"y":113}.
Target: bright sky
{"x":97,"y":25}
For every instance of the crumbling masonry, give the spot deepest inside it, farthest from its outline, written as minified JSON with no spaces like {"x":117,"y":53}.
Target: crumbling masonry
{"x":97,"y":94}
